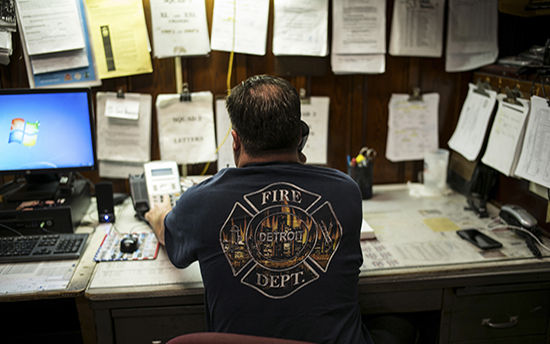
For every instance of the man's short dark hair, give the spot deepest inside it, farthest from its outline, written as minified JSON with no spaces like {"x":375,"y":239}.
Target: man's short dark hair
{"x":265,"y":112}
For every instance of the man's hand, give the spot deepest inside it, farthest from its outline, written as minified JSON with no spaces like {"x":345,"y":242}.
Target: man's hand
{"x":156,"y":215}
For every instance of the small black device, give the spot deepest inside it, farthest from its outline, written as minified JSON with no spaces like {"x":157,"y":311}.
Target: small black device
{"x":138,"y":191}
{"x":105,"y":202}
{"x":479,"y":239}
{"x":129,"y":244}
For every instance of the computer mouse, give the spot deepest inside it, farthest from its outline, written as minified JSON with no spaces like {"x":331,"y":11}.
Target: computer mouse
{"x":129,"y":244}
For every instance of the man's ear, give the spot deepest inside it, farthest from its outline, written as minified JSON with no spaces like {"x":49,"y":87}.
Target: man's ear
{"x":236,"y":140}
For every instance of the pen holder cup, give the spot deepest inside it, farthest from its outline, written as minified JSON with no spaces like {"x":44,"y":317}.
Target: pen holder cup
{"x":363,"y":177}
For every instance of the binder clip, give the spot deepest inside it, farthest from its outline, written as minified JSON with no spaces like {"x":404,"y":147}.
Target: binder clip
{"x":512,"y":95}
{"x":303,"y":98}
{"x":185,"y":95}
{"x":416,"y":95}
{"x":482,"y":87}
{"x":120,"y":93}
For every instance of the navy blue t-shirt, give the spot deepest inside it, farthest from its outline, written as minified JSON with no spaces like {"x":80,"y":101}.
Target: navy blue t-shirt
{"x":279,"y":250}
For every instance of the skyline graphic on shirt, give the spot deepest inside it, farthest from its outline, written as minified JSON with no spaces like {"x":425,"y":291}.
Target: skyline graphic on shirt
{"x":279,"y":238}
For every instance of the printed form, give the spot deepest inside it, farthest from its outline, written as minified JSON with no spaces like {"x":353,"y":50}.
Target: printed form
{"x":417,"y":28}
{"x":506,"y":136}
{"x":123,"y":133}
{"x":472,"y":34}
{"x":179,"y":28}
{"x":240,"y":26}
{"x":358,"y":37}
{"x":316,"y":115}
{"x":300,"y":28}
{"x":534,"y":161}
{"x":475,"y":115}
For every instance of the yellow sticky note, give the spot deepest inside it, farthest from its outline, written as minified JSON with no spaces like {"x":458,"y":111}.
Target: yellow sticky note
{"x":441,"y":224}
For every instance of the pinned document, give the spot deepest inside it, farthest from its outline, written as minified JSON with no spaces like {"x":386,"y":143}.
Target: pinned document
{"x":534,"y":161}
{"x":186,"y":127}
{"x":300,"y":28}
{"x":315,"y":112}
{"x":354,"y":53}
{"x":417,"y":28}
{"x":473,"y":122}
{"x":412,"y":126}
{"x":179,"y":28}
{"x":120,"y":38}
{"x":472,"y":34}
{"x":506,"y":136}
{"x":240,"y":26}
{"x":123,"y":133}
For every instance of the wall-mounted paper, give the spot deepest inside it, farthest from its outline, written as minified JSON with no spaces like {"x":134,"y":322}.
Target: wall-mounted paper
{"x":186,"y":128}
{"x":412,"y":127}
{"x":179,"y":28}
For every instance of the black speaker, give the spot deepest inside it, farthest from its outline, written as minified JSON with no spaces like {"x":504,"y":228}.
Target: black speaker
{"x":105,"y":202}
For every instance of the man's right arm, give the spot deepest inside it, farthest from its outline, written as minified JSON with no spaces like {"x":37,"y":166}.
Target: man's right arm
{"x":156,"y":215}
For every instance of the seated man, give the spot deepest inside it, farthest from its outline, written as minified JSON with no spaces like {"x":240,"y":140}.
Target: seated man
{"x":277,"y":241}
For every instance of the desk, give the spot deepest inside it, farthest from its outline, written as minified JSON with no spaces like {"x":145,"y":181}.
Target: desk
{"x":417,"y":264}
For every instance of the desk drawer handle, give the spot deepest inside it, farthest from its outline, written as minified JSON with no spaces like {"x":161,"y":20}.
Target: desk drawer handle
{"x":513,"y":322}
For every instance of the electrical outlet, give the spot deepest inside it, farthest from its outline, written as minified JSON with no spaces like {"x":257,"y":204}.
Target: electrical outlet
{"x":538,"y":190}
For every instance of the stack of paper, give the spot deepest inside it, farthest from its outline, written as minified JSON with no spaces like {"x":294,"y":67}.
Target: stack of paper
{"x":7,"y":26}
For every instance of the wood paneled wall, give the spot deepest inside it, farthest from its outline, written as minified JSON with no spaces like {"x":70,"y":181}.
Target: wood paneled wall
{"x":358,"y":103}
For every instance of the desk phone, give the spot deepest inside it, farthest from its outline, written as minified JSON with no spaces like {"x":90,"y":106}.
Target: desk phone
{"x":161,"y":178}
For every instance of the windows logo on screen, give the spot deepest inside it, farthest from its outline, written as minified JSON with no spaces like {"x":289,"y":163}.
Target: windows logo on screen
{"x":23,"y":132}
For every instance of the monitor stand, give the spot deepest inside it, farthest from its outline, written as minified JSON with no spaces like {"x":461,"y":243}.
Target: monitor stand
{"x":37,"y":187}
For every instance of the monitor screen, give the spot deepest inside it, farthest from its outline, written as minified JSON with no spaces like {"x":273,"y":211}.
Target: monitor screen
{"x":46,"y":131}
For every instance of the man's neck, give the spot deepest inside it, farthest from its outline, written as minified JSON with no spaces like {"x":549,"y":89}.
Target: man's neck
{"x":245,"y":159}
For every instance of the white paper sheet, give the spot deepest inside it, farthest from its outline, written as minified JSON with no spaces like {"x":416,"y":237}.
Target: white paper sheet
{"x":179,"y":28}
{"x":36,"y":277}
{"x":316,"y":115}
{"x":506,"y":136}
{"x":186,"y":128}
{"x":50,"y":26}
{"x":534,"y":161}
{"x":412,"y":127}
{"x":359,"y":27}
{"x":471,"y":128}
{"x":225,"y":151}
{"x":472,"y":35}
{"x":300,"y":27}
{"x":119,"y":169}
{"x":358,"y":64}
{"x":417,"y":28}
{"x":123,"y":139}
{"x":240,"y":26}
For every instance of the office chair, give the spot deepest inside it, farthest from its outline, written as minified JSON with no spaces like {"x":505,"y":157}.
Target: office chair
{"x":228,"y":338}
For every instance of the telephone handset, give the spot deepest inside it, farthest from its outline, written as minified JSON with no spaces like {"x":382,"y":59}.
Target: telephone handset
{"x":162,"y":178}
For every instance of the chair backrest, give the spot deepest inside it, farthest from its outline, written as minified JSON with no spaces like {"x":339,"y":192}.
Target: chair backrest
{"x":228,"y":338}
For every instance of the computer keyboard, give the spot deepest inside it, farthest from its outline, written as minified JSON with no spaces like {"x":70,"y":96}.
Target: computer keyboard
{"x":31,"y":248}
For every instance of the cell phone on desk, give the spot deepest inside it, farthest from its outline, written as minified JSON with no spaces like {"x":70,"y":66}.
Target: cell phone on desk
{"x":479,"y":239}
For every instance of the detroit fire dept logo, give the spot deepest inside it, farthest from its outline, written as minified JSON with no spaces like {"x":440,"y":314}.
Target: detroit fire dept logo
{"x":280,"y":239}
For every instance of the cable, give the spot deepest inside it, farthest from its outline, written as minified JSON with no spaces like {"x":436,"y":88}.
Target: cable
{"x":504,"y":225}
{"x":11,"y":229}
{"x":228,"y":85}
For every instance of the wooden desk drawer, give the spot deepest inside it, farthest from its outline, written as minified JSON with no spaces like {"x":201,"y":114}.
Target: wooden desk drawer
{"x":156,"y":324}
{"x":492,"y":316}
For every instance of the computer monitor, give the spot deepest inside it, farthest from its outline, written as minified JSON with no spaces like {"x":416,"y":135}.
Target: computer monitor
{"x":46,"y":132}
